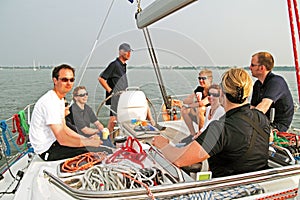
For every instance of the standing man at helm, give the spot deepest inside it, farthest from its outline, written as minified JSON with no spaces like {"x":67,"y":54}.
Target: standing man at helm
{"x":114,"y":79}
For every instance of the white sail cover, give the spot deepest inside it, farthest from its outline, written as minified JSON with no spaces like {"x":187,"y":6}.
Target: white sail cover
{"x":159,"y":9}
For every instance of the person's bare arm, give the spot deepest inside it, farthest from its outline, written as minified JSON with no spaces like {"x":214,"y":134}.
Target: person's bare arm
{"x":99,"y":125}
{"x":67,"y":137}
{"x":264,"y":105}
{"x":89,"y":131}
{"x":188,"y":155}
{"x":189,"y":99}
{"x":104,"y":84}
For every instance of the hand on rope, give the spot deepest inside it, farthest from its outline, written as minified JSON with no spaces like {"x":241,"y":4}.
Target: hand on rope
{"x":83,"y":161}
{"x":16,"y":122}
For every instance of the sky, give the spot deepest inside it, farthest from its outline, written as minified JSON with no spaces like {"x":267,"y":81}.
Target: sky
{"x":206,"y":32}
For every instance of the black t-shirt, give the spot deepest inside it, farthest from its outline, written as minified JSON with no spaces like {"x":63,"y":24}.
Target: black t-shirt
{"x":115,"y":75}
{"x":227,"y":140}
{"x":275,"y":88}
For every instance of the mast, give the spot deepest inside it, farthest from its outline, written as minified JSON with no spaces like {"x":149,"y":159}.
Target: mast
{"x":154,"y":12}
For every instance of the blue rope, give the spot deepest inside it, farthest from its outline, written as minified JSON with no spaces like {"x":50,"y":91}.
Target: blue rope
{"x":6,"y":143}
{"x":4,"y":129}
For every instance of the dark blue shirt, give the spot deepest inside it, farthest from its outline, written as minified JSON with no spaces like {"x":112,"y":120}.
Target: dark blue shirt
{"x":115,"y":75}
{"x":276,"y":89}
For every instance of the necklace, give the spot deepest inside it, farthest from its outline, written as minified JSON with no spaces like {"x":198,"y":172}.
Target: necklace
{"x":211,"y":112}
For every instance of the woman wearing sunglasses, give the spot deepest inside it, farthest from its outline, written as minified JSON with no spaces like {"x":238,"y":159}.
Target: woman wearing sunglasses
{"x":83,"y":115}
{"x":194,"y":106}
{"x":214,"y":111}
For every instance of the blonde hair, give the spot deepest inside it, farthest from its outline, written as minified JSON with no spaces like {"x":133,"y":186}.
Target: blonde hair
{"x":207,"y":72}
{"x":237,"y":85}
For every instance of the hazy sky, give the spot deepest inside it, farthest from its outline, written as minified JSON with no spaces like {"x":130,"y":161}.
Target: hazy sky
{"x":207,"y":32}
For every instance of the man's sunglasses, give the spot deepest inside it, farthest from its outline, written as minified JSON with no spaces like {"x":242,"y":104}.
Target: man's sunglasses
{"x":67,"y":79}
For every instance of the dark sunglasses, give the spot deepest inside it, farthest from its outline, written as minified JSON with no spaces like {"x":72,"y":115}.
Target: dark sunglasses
{"x":82,"y":95}
{"x":214,"y":94}
{"x":253,"y":65}
{"x":66,"y":104}
{"x":202,"y":78}
{"x":67,"y":79}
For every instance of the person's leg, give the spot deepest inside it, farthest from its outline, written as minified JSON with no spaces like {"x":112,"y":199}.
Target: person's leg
{"x":201,"y":117}
{"x":188,"y":119}
{"x":58,"y":152}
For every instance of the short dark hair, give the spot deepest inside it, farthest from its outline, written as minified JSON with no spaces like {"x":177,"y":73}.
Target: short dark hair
{"x":55,"y":71}
{"x":266,"y":59}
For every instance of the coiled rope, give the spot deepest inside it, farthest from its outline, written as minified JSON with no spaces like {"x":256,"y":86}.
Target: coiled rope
{"x":83,"y":161}
{"x":16,"y":123}
{"x":5,"y":128}
{"x":117,"y":177}
{"x":23,"y":121}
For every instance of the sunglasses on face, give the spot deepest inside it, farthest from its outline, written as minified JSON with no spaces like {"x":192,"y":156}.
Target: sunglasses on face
{"x":214,"y":94}
{"x":67,"y":79}
{"x":253,"y":65}
{"x":66,"y":104}
{"x":202,"y":78}
{"x":82,"y":95}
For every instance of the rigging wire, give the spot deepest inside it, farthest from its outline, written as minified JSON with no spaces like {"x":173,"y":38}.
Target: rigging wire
{"x":96,"y":41}
{"x":166,"y":98}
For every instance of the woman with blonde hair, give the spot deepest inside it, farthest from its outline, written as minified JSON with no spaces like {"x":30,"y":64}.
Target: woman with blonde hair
{"x":237,"y":142}
{"x":194,"y":106}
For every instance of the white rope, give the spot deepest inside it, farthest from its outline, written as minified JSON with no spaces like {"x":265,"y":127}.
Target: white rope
{"x":110,"y":177}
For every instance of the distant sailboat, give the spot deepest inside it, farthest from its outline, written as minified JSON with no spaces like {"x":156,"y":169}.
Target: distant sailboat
{"x":34,"y":68}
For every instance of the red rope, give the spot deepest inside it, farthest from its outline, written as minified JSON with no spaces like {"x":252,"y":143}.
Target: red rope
{"x":288,"y":194}
{"x":294,"y":43}
{"x":16,"y":123}
{"x":129,"y":153}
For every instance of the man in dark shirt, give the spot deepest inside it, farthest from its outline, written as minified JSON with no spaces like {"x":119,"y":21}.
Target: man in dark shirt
{"x":114,"y":79}
{"x":237,"y":143}
{"x":271,"y":91}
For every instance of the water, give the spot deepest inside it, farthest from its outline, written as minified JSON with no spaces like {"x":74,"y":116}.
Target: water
{"x":20,"y":87}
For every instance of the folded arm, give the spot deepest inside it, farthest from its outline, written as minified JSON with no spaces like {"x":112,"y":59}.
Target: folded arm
{"x":264,"y":105}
